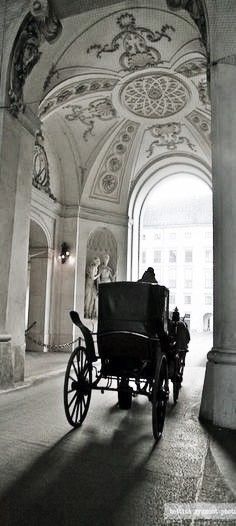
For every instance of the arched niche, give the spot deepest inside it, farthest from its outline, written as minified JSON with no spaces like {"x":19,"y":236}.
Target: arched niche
{"x":37,"y":298}
{"x":101,"y":243}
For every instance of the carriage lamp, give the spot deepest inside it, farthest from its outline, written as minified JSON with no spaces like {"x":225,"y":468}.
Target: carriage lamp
{"x":65,"y":252}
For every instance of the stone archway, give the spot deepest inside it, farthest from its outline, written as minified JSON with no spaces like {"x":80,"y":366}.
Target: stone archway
{"x":146,"y":180}
{"x":38,"y":300}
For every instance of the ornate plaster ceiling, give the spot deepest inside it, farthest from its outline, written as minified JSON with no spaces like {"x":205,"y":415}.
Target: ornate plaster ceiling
{"x":129,"y":84}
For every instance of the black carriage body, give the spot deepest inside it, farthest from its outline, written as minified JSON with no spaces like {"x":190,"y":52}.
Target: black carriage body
{"x":132,"y":320}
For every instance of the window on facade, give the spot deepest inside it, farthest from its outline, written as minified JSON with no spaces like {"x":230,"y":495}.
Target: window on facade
{"x":172,"y":279}
{"x":208,"y":255}
{"x":187,"y":235}
{"x":172,"y":235}
{"x":187,"y":300}
{"x":172,"y":256}
{"x":157,"y":235}
{"x":188,"y":256}
{"x":157,"y":256}
{"x":172,"y":299}
{"x":208,"y":299}
{"x":144,"y":236}
{"x":188,"y":279}
{"x":143,"y":257}
{"x":208,"y":234}
{"x":208,"y":279}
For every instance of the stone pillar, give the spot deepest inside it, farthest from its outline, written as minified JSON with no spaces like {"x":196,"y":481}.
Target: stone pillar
{"x":16,"y":151}
{"x":219,"y":393}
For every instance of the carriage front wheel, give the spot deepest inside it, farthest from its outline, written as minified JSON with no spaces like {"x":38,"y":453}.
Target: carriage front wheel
{"x":160,"y":395}
{"x":77,"y":386}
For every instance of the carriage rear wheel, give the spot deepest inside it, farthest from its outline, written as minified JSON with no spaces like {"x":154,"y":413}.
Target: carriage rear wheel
{"x":77,"y":386}
{"x":160,"y":394}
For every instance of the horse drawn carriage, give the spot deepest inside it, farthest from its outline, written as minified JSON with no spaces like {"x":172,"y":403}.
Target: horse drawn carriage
{"x":136,"y":352}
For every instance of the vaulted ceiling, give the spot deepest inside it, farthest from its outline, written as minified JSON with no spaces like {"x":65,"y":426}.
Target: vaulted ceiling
{"x":124,"y":87}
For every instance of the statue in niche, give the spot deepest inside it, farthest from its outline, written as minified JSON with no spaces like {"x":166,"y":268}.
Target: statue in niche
{"x":106,"y":274}
{"x":91,"y":289}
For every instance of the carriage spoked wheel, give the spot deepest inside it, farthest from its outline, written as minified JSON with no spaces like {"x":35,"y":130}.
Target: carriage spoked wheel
{"x":77,"y":386}
{"x":176,"y":378}
{"x":160,"y":395}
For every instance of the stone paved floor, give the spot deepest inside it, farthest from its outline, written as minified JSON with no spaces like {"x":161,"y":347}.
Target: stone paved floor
{"x":108,"y":472}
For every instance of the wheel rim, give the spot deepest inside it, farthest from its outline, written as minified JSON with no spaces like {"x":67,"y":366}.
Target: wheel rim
{"x":159,"y":398}
{"x":77,"y":387}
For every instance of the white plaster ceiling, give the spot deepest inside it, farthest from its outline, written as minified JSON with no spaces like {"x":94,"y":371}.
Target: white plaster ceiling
{"x":124,"y":85}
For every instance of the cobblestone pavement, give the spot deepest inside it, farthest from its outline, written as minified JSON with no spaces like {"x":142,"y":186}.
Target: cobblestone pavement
{"x":108,"y":472}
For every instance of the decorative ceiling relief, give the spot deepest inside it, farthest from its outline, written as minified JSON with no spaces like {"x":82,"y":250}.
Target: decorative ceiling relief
{"x":196,"y":10}
{"x":134,"y":40}
{"x":39,"y":25}
{"x":109,"y":178}
{"x":100,"y":109}
{"x":76,"y":90}
{"x":203,"y":93}
{"x":168,"y":135}
{"x":202,"y":123}
{"x":40,"y":176}
{"x":193,"y":68}
{"x":155,"y":96}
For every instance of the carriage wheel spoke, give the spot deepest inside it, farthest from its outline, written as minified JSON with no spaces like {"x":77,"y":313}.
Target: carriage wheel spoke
{"x":72,"y":399}
{"x":77,"y":386}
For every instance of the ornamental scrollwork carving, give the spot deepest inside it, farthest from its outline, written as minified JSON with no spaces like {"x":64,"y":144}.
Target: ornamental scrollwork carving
{"x":203,"y":93}
{"x":196,"y":10}
{"x":134,"y":40}
{"x":168,"y":135}
{"x":40,"y":176}
{"x":39,"y":25}
{"x":101,"y":109}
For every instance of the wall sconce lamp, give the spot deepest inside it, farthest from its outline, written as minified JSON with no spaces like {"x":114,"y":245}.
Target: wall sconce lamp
{"x":65,"y":253}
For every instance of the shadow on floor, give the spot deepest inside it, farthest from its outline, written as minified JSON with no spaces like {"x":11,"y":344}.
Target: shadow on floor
{"x":80,"y":480}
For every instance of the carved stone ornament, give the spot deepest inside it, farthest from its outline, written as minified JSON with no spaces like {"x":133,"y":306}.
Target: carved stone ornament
{"x":40,"y":176}
{"x":76,"y":90}
{"x":110,"y":175}
{"x":168,"y":135}
{"x":155,"y":96}
{"x":100,"y":109}
{"x":134,"y":40}
{"x":196,"y":10}
{"x":33,"y":31}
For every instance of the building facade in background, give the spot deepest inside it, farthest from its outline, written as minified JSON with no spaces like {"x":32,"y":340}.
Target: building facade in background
{"x":181,"y":253}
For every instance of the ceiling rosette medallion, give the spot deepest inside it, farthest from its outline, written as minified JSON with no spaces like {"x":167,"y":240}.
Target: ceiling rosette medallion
{"x":155,"y":96}
{"x":134,"y":41}
{"x":110,"y":176}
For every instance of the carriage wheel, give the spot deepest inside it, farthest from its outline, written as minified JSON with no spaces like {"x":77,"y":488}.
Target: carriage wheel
{"x":160,"y":394}
{"x":124,"y":395}
{"x":77,"y":386}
